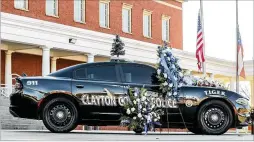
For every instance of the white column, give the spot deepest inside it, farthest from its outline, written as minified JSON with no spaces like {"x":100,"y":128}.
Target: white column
{"x":8,"y":72}
{"x":232,"y":84}
{"x":90,"y":58}
{"x":212,"y":76}
{"x":53,"y":64}
{"x":45,"y":60}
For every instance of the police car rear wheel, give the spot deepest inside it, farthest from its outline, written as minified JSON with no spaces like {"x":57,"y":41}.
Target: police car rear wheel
{"x":60,"y":115}
{"x":215,"y":117}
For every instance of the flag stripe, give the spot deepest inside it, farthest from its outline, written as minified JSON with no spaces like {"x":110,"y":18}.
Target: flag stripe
{"x":240,"y":56}
{"x":200,"y":43}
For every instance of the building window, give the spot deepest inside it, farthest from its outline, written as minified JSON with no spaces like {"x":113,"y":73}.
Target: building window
{"x":126,"y":18}
{"x":79,"y":11}
{"x":165,"y":28}
{"x":104,"y":13}
{"x":147,"y":18}
{"x":52,"y":7}
{"x":21,"y":4}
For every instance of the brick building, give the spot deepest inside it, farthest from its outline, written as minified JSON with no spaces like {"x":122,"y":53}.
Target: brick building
{"x":42,"y":36}
{"x":147,"y":21}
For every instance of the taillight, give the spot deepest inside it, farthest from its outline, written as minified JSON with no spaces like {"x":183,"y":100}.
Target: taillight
{"x":18,"y":85}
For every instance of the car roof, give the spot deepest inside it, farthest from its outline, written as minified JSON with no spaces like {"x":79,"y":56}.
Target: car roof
{"x":66,"y":71}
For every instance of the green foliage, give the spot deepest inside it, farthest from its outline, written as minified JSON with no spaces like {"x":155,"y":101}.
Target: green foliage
{"x":117,"y":47}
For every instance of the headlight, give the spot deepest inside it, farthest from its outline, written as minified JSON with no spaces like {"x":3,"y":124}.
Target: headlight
{"x":242,"y":101}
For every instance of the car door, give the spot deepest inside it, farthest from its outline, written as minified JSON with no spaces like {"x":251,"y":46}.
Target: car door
{"x":97,"y":80}
{"x":138,"y":75}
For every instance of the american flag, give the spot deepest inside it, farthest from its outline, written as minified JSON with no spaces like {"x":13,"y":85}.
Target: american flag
{"x":240,"y":51}
{"x":200,"y":43}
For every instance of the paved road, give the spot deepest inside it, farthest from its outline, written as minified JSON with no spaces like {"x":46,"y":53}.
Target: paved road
{"x":116,"y":136}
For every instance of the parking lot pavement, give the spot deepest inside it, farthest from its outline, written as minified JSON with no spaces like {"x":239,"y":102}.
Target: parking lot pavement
{"x":24,"y":135}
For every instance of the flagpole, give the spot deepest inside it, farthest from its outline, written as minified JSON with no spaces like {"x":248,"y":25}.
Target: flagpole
{"x":237,"y":74}
{"x":202,"y":19}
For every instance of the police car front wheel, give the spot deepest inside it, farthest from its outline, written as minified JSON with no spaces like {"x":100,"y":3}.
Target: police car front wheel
{"x":215,"y":117}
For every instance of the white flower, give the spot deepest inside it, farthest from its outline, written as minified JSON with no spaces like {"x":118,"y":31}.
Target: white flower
{"x":140,"y":106}
{"x":168,"y":50}
{"x":145,"y":102}
{"x":143,"y":98}
{"x":138,"y":100}
{"x":155,"y":119}
{"x":134,"y":118}
{"x":159,"y":60}
{"x":187,"y":72}
{"x":169,"y":94}
{"x":134,"y":102}
{"x":170,"y":85}
{"x":128,"y":111}
{"x":158,"y":71}
{"x":165,"y":75}
{"x":135,"y":94}
{"x":165,"y":83}
{"x":144,"y":109}
{"x":168,"y":58}
{"x":133,"y":109}
{"x":180,"y":74}
{"x":158,"y":117}
{"x":139,"y":115}
{"x":164,"y":54}
{"x":175,"y":93}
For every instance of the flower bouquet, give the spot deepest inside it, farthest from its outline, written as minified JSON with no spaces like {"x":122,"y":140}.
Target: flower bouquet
{"x":140,"y":112}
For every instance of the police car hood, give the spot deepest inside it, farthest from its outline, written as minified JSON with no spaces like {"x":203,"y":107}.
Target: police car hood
{"x":209,"y":91}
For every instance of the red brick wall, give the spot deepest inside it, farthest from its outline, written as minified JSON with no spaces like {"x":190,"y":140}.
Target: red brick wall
{"x":2,"y":66}
{"x":26,"y":63}
{"x":37,"y":10}
{"x":62,"y":63}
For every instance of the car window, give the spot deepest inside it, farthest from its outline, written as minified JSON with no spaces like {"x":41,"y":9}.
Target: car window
{"x":98,"y":72}
{"x":139,"y":74}
{"x":81,"y":73}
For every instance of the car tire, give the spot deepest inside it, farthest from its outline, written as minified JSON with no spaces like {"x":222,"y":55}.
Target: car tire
{"x":195,"y":130}
{"x":60,"y":115}
{"x":138,"y":131}
{"x":215,"y":117}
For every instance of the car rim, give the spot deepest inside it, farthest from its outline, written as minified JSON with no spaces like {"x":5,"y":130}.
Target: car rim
{"x":60,"y":115}
{"x":215,"y":118}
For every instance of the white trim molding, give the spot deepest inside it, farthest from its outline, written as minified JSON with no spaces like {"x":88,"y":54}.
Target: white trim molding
{"x":36,"y":32}
{"x":168,"y":4}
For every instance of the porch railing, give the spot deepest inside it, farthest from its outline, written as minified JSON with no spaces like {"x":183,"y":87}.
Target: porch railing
{"x":4,"y":90}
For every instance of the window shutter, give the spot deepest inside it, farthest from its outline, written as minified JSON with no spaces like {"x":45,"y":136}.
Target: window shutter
{"x":106,"y":15}
{"x":77,"y":10}
{"x":50,"y":7}
{"x":102,"y":15}
{"x":20,"y":4}
{"x":125,"y":20}
{"x":149,"y":25}
{"x":146,"y":25}
{"x":163,"y":29}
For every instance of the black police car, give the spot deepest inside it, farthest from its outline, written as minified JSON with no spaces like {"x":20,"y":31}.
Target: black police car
{"x":57,"y":99}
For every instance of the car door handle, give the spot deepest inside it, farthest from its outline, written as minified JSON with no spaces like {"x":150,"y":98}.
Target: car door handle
{"x":80,"y":86}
